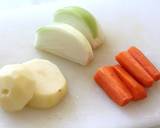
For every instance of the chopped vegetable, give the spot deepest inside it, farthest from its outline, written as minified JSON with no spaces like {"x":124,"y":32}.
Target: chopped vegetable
{"x":51,"y":86}
{"x":108,"y":80}
{"x":134,"y":68}
{"x":144,"y":62}
{"x":135,"y":88}
{"x":65,"y":41}
{"x":82,"y":20}
{"x":16,"y":87}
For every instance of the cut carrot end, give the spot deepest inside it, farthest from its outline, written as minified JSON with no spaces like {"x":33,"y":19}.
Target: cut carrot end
{"x":145,"y":63}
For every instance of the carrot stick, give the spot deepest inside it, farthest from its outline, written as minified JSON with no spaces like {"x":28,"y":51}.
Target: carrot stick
{"x":136,"y":89}
{"x":134,"y":68}
{"x":145,"y":63}
{"x":108,"y":80}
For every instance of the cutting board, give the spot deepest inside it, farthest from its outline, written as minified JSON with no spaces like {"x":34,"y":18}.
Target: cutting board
{"x":124,"y":23}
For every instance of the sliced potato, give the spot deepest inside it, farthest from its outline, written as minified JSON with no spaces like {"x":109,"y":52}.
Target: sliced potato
{"x":50,"y":84}
{"x":16,"y":87}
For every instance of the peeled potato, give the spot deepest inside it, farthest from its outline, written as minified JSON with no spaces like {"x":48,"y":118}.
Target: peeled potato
{"x":50,"y":84}
{"x":16,"y":87}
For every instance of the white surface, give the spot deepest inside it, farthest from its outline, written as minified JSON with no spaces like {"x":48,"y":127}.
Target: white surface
{"x":11,"y":4}
{"x":125,"y":23}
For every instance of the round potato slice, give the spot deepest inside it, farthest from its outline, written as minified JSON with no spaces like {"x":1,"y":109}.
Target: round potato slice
{"x":50,"y":84}
{"x":16,"y":87}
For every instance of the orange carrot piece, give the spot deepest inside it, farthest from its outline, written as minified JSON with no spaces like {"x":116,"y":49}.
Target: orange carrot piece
{"x":136,"y":89}
{"x":108,"y":80}
{"x":134,"y":68}
{"x":145,"y":63}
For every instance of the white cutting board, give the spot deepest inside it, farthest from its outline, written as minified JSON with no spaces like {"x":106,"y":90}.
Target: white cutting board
{"x":124,"y":23}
